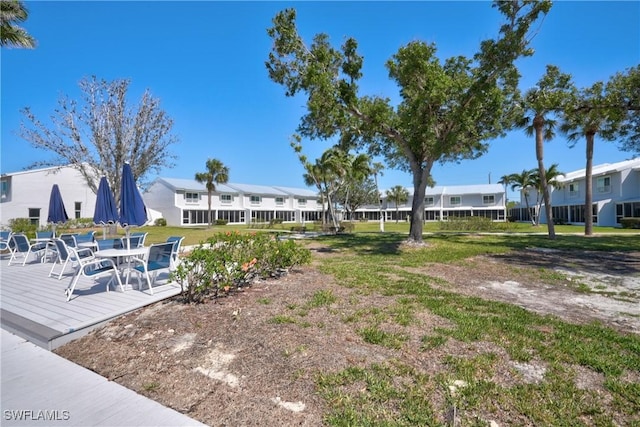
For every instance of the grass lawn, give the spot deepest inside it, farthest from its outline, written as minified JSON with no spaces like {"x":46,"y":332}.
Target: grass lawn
{"x":477,"y":349}
{"x":397,"y":394}
{"x":195,"y":235}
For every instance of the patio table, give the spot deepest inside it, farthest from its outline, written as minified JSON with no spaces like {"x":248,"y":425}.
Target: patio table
{"x":128,"y":254}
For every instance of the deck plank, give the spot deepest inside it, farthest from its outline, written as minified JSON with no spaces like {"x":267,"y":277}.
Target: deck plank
{"x":30,"y":294}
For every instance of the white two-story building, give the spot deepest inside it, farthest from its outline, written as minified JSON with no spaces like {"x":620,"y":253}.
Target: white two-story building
{"x":615,"y":195}
{"x":185,"y":202}
{"x":443,"y":202}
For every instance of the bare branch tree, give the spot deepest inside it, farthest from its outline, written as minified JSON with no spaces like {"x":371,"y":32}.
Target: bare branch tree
{"x":101,"y":132}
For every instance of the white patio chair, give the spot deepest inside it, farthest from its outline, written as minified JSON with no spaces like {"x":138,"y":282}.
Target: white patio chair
{"x":87,"y":266}
{"x":20,"y":247}
{"x":158,"y":258}
{"x":69,"y":256}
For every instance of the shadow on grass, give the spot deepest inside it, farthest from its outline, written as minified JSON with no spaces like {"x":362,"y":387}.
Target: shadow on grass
{"x":604,"y":254}
{"x":365,"y":243}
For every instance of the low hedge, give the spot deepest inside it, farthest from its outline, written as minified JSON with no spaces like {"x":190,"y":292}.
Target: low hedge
{"x":630,"y":222}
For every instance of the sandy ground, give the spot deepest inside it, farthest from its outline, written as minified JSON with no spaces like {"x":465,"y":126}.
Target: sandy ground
{"x":252,"y":359}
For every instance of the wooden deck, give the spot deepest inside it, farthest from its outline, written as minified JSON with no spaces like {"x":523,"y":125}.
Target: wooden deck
{"x":34,"y":306}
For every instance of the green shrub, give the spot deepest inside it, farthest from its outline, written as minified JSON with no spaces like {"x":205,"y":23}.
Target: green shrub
{"x":23,"y":225}
{"x":160,"y":222}
{"x":221,"y":222}
{"x":469,"y":223}
{"x":230,"y":261}
{"x":630,"y":222}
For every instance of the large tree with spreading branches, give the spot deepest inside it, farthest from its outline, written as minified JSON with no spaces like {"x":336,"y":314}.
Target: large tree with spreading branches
{"x":449,"y":109}
{"x":99,"y":133}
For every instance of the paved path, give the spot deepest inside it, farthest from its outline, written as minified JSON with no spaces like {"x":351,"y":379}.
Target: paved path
{"x":40,"y":388}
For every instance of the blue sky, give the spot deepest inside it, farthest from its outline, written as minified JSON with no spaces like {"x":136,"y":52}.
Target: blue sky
{"x":205,"y":62}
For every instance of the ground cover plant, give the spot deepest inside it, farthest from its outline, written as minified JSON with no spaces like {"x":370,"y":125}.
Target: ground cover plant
{"x":468,"y":329}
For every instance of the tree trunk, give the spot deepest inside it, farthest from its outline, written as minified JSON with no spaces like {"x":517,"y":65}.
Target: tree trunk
{"x":420,"y":176}
{"x":209,"y":212}
{"x":529,"y":211}
{"x":538,"y":123}
{"x":588,"y":191}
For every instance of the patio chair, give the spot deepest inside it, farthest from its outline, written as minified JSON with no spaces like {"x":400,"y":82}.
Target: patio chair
{"x":136,"y":240}
{"x":87,"y":237}
{"x":109,"y":244}
{"x":68,"y":255}
{"x":177,"y":242}
{"x":5,"y":235}
{"x":44,"y":239}
{"x":20,"y":247}
{"x":159,"y":258}
{"x":69,"y":239}
{"x":44,"y":235}
{"x":91,"y":267}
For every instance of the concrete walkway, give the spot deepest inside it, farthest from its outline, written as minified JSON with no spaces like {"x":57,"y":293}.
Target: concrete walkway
{"x":40,"y":388}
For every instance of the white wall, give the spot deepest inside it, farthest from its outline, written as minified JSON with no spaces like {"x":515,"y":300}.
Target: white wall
{"x":31,"y":190}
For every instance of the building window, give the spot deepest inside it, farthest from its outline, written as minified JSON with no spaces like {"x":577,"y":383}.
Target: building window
{"x":34,"y":216}
{"x":191,"y":197}
{"x":77,"y":208}
{"x":302,"y":202}
{"x":428,"y":201}
{"x":574,"y":190}
{"x":5,"y":190}
{"x":603,"y":184}
{"x":196,"y":216}
{"x":279,"y":201}
{"x":255,"y":200}
{"x":455,"y":200}
{"x":226,"y":198}
{"x":489,"y":200}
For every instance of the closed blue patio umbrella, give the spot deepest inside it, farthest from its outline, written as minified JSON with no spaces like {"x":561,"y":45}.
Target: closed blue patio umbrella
{"x":106,"y":211}
{"x":57,"y":212}
{"x":133,"y":212}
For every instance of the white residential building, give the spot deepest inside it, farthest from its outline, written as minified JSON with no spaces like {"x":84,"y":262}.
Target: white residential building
{"x":26,"y":194}
{"x":443,"y":202}
{"x":615,"y":195}
{"x":185,"y":202}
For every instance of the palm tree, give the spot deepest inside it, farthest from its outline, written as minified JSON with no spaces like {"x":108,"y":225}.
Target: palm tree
{"x":11,"y":35}
{"x":314,"y":176}
{"x":359,"y":169}
{"x":505,"y":180}
{"x":217,"y":173}
{"x":376,"y":169}
{"x":398,"y":194}
{"x":326,"y":174}
{"x":524,"y":181}
{"x":590,"y":114}
{"x":539,"y":102}
{"x":552,"y":174}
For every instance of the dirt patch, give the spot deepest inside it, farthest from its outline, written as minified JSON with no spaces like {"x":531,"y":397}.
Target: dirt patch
{"x":252,"y":359}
